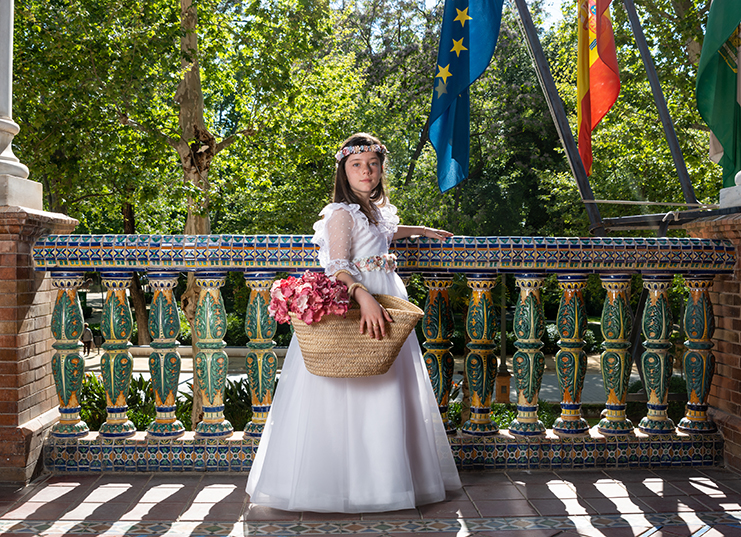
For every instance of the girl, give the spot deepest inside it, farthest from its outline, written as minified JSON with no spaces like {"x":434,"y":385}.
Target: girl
{"x":362,"y":444}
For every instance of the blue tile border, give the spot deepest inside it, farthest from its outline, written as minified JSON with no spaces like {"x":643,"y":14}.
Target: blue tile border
{"x":92,"y":454}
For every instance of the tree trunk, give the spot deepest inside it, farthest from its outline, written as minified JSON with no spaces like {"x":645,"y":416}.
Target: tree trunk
{"x":137,"y":294}
{"x":196,"y":149}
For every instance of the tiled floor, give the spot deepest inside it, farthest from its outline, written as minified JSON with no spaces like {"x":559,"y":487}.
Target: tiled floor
{"x":672,"y":502}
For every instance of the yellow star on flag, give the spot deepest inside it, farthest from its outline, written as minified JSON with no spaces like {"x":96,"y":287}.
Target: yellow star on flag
{"x":443,"y":73}
{"x":462,"y":16}
{"x":441,"y":88}
{"x":458,"y":47}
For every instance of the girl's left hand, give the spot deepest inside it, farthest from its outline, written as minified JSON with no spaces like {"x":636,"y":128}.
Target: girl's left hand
{"x":432,"y":233}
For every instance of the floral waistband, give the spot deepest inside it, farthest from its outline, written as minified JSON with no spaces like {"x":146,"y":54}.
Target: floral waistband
{"x":385,"y":262}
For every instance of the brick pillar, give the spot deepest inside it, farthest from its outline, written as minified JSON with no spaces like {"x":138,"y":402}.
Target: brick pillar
{"x":725,"y":392}
{"x":28,"y":398}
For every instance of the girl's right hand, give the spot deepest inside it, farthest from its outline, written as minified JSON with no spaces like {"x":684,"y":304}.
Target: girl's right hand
{"x":373,"y":316}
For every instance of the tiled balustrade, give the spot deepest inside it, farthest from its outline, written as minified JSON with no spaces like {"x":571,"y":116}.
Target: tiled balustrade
{"x":216,"y":446}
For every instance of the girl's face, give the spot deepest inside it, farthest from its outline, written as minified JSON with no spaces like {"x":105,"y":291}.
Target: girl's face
{"x":363,"y":172}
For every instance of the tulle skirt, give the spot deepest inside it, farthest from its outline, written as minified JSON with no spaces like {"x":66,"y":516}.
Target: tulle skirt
{"x":354,"y":445}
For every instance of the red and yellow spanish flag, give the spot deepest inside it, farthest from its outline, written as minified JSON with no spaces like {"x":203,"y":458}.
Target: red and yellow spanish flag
{"x":598,"y":81}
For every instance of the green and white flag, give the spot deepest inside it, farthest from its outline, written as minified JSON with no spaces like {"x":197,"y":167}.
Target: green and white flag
{"x":718,"y":89}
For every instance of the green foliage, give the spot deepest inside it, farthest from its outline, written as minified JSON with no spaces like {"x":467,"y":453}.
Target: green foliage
{"x":237,"y":407}
{"x":184,"y":408}
{"x":185,"y":337}
{"x":235,"y":333}
{"x":237,"y":403}
{"x":504,"y":413}
{"x":637,"y":410}
{"x":141,"y":402}
{"x":92,"y":402}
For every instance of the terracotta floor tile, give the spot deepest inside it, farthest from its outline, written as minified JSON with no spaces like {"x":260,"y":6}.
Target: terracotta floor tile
{"x":261,"y":513}
{"x":551,"y":491}
{"x":37,"y":511}
{"x":453,"y":509}
{"x":533,"y":476}
{"x":562,"y":507}
{"x":149,"y":512}
{"x":459,"y":494}
{"x":472,"y":477}
{"x":505,"y":508}
{"x":216,"y":512}
{"x":520,"y":533}
{"x":603,"y":488}
{"x":66,"y":479}
{"x":494,"y":492}
{"x":8,"y":494}
{"x":59,"y":492}
{"x":220,"y":493}
{"x":630,"y":475}
{"x":615,"y":506}
{"x":309,"y":516}
{"x":108,"y":511}
{"x":652,"y":487}
{"x":700,"y":485}
{"x":402,"y":514}
{"x":166,"y":492}
{"x":673,"y":504}
{"x":727,"y":502}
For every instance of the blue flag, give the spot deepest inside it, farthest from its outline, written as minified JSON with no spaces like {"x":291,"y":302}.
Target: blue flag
{"x":467,"y":41}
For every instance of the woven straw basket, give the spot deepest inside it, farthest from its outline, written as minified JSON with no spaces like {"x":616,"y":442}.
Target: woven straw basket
{"x":333,"y":347}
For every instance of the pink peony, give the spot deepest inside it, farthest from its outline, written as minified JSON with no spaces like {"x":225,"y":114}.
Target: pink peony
{"x":311,"y":297}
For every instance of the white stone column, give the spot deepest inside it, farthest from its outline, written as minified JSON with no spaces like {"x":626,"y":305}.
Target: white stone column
{"x":15,"y":188}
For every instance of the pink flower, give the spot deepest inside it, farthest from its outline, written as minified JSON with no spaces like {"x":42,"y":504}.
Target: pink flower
{"x":311,"y":297}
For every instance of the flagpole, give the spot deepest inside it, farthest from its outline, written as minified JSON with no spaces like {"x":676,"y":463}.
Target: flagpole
{"x":666,"y":120}
{"x":559,"y":119}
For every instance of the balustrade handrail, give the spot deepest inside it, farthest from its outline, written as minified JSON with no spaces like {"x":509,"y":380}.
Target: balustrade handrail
{"x":187,"y":253}
{"x":260,"y":257}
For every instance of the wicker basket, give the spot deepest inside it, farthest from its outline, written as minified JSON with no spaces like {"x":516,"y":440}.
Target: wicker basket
{"x":333,"y":347}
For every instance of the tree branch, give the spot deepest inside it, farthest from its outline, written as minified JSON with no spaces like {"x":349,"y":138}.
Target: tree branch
{"x":229,"y":140}
{"x":126,"y":121}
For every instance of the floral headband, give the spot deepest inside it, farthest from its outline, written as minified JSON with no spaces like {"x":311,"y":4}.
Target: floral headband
{"x":345,"y":151}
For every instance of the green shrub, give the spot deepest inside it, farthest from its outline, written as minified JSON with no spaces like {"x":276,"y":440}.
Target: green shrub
{"x":141,"y":402}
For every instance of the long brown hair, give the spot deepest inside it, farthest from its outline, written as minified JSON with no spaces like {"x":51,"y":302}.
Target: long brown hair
{"x":342,"y":191}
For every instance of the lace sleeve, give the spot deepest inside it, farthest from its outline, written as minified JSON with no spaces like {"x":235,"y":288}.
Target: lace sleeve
{"x":334,"y":237}
{"x":389,"y":222}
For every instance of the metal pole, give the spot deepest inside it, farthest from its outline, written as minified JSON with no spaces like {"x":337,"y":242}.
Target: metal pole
{"x":559,"y":118}
{"x":666,"y":120}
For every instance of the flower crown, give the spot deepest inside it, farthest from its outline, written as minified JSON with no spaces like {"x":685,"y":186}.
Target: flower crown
{"x":345,"y":151}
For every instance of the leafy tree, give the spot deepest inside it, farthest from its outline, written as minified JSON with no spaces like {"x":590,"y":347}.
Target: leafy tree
{"x":632,"y":158}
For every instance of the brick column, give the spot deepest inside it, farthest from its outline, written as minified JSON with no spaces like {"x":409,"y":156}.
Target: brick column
{"x":28,"y":398}
{"x":725,"y":295}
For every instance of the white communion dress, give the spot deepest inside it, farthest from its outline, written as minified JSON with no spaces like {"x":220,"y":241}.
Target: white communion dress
{"x":362,"y":444}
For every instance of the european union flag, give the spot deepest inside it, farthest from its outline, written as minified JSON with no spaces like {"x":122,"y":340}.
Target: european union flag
{"x":469,"y":35}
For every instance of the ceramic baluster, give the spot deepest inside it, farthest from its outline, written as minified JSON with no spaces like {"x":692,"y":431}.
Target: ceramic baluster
{"x":571,"y":360}
{"x":437,"y":325}
{"x":164,"y":361}
{"x":528,"y":361}
{"x":117,"y":363}
{"x":67,"y":364}
{"x":211,"y":362}
{"x":698,"y":359}
{"x":616,"y":360}
{"x":261,"y":361}
{"x":481,"y":363}
{"x":657,"y":361}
